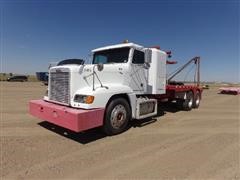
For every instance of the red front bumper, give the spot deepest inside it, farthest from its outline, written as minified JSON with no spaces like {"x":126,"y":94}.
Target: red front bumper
{"x":74,"y":119}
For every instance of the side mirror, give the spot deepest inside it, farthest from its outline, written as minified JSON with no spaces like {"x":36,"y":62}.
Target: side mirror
{"x":148,"y":56}
{"x":100,"y":67}
{"x":146,"y":65}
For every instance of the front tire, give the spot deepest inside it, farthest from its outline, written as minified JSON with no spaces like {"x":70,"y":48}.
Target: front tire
{"x":117,"y":116}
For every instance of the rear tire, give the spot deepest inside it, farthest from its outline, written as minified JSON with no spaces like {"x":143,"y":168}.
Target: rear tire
{"x":117,"y":116}
{"x":196,"y":101}
{"x":186,"y":104}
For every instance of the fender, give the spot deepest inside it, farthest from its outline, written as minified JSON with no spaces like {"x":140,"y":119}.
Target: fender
{"x":103,"y":94}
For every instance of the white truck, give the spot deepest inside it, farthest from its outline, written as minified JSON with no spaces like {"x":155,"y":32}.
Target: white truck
{"x":123,"y":82}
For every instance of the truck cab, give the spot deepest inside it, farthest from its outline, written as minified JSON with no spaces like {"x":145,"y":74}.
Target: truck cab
{"x":125,"y":69}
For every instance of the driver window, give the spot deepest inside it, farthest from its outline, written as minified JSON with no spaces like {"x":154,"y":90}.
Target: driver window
{"x":100,"y":59}
{"x":138,"y":57}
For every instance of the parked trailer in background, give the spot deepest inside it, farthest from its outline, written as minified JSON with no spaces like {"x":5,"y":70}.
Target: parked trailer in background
{"x":42,"y":76}
{"x":230,"y":90}
{"x":124,"y":82}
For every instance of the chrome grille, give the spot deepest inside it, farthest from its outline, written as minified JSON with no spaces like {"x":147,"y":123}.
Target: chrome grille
{"x":59,"y":87}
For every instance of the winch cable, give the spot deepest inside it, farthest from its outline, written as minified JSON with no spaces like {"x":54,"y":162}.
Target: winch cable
{"x":190,"y":69}
{"x":196,"y":61}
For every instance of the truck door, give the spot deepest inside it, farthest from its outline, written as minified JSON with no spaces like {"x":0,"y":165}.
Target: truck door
{"x":138,"y":72}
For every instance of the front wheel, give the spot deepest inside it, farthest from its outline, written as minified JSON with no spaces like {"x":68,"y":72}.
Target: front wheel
{"x":117,"y":116}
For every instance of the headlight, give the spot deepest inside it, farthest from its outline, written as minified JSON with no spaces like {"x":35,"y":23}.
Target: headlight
{"x":84,"y":99}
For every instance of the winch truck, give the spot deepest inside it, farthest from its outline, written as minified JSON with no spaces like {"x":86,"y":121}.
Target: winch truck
{"x":123,"y":82}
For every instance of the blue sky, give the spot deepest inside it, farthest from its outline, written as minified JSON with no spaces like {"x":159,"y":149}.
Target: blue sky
{"x":34,"y":33}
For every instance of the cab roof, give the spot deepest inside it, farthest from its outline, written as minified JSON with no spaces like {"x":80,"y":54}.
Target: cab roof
{"x":117,"y":46}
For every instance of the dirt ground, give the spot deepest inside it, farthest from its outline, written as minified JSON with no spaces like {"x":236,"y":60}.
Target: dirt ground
{"x":203,"y":143}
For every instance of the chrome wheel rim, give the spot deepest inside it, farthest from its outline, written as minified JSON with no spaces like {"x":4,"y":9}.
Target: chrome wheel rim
{"x":197,"y":100}
{"x":118,"y":116}
{"x":190,"y":103}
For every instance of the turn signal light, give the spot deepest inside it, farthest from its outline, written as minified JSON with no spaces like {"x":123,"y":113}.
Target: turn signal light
{"x":89,"y":99}
{"x":84,"y":99}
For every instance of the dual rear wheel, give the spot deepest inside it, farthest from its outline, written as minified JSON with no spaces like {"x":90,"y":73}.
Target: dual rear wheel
{"x":190,"y":101}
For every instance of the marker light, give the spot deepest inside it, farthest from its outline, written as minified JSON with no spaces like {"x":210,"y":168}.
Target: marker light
{"x":156,"y":47}
{"x":171,"y":62}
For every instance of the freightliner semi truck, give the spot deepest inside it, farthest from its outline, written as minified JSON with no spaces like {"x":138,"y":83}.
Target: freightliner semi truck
{"x":123,"y":82}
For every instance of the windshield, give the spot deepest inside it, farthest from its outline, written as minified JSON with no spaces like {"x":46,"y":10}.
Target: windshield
{"x":119,"y":55}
